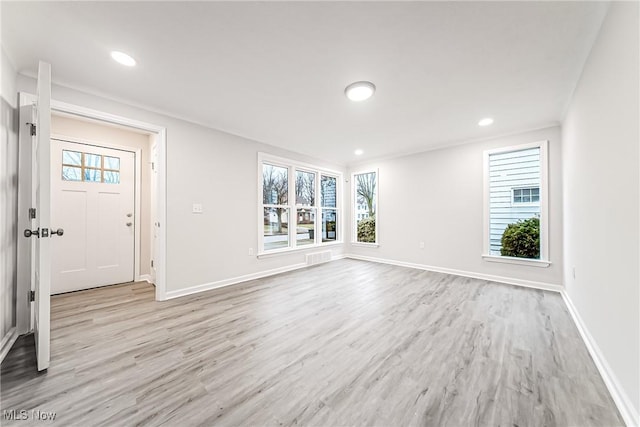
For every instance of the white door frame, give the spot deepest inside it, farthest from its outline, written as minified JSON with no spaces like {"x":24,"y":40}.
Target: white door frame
{"x":23,"y":312}
{"x":137,"y":186}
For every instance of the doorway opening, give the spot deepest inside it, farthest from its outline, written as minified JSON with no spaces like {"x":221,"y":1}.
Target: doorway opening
{"x":100,"y":200}
{"x":154,"y":236}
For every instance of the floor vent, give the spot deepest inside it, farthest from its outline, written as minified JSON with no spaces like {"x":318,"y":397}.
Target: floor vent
{"x":318,"y":257}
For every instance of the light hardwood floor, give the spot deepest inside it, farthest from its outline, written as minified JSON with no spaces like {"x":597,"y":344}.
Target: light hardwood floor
{"x":344,"y":343}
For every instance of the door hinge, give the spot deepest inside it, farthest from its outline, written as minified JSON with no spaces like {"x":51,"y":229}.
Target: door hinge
{"x":153,"y":166}
{"x":32,"y":213}
{"x":32,"y":296}
{"x":151,"y":263}
{"x":32,"y":127}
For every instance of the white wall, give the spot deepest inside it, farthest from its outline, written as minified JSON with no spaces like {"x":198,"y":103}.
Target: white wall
{"x":600,"y":151}
{"x":437,"y":197}
{"x":215,"y":169}
{"x":9,"y":196}
{"x":108,"y":136}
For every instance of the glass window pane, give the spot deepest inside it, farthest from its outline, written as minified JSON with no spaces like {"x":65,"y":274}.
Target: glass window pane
{"x":515,"y":229}
{"x":112,"y":163}
{"x":275,"y":185}
{"x":329,"y":225}
{"x":71,"y":157}
{"x":92,"y":160}
{"x":111,"y":177}
{"x":305,"y":188}
{"x":366,"y":229}
{"x":328,"y":188}
{"x":365,"y":191}
{"x":276,"y":228}
{"x":305,"y":233}
{"x":69,"y":173}
{"x":92,"y":175}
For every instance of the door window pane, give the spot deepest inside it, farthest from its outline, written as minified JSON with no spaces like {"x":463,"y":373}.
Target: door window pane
{"x":305,"y":188}
{"x":92,"y":160}
{"x":111,"y":177}
{"x":73,"y":158}
{"x":112,"y":163}
{"x":276,"y":228}
{"x":275,"y":185}
{"x":70,"y":173}
{"x":328,"y":188}
{"x":92,"y":175}
{"x":305,"y":233}
{"x":329,"y":223}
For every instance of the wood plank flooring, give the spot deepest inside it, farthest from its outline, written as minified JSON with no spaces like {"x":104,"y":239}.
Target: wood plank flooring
{"x":343,"y":343}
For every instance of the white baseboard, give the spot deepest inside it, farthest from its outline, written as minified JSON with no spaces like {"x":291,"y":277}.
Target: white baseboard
{"x":145,"y":278}
{"x":240,"y":279}
{"x":232,"y":281}
{"x":481,"y":276}
{"x":7,"y":342}
{"x":630,"y":416}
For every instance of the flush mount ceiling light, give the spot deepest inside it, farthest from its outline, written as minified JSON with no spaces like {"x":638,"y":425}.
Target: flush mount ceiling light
{"x":358,"y":152}
{"x":123,"y":58}
{"x":485,"y":122}
{"x":359,"y":91}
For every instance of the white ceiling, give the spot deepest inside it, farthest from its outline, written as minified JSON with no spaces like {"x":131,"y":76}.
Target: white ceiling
{"x":276,"y":72}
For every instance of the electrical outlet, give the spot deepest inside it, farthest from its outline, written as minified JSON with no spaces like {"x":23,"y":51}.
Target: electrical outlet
{"x":421,"y":245}
{"x":250,"y":251}
{"x":197,"y":208}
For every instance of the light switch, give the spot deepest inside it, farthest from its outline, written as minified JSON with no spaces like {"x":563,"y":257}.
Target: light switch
{"x":197,"y":208}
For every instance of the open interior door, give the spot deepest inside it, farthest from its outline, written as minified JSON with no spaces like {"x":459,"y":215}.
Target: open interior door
{"x":40,"y":233}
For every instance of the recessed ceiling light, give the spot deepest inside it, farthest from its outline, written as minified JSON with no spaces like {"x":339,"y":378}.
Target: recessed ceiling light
{"x":485,"y":122}
{"x":358,"y":152}
{"x":123,"y":58}
{"x":359,"y":91}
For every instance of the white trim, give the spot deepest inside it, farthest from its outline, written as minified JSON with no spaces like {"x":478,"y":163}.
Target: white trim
{"x":161,"y":200}
{"x":500,"y":279}
{"x":7,"y":342}
{"x":353,"y":222}
{"x":137,"y":189}
{"x":517,"y":261}
{"x":232,"y":281}
{"x":24,"y":246}
{"x":630,"y":416}
{"x":365,"y":244}
{"x":544,"y":196}
{"x":145,"y":278}
{"x":240,"y":279}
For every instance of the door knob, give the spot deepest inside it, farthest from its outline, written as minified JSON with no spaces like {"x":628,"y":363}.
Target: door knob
{"x":129,"y":224}
{"x":58,"y":232}
{"x":29,"y":233}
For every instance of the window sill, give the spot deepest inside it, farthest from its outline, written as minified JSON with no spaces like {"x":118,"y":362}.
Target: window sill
{"x":366,"y":245}
{"x":517,"y":261}
{"x":289,"y":251}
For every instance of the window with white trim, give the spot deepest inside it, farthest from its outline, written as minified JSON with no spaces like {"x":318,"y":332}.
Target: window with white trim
{"x":365,"y":207}
{"x":291,"y":216}
{"x":515,"y":180}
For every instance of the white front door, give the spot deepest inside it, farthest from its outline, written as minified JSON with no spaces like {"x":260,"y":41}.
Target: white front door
{"x":93,"y":199}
